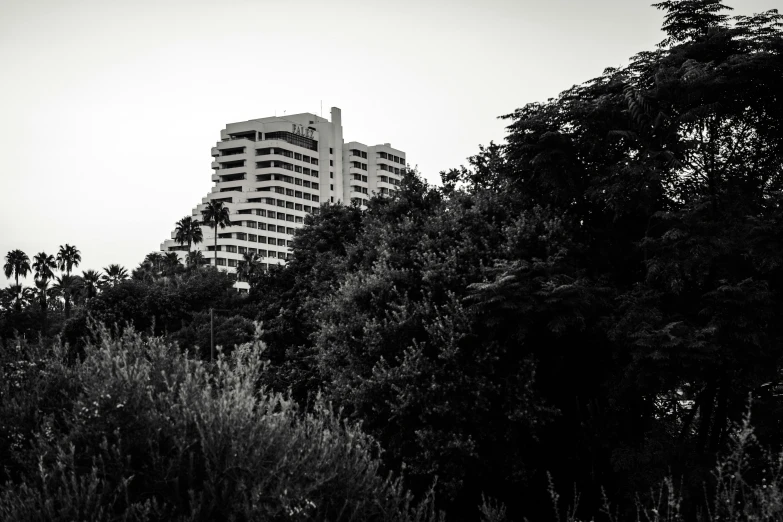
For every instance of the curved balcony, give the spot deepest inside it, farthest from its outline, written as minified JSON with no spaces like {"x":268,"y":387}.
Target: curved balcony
{"x":234,"y":170}
{"x":228,"y":197}
{"x":229,"y":143}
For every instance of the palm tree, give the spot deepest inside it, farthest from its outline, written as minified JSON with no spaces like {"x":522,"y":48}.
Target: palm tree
{"x":68,"y":258}
{"x":44,"y":266}
{"x":115,"y":274}
{"x":91,"y":281}
{"x":216,"y":215}
{"x":195,"y":258}
{"x":188,"y":231}
{"x":68,"y":286}
{"x":16,"y":296}
{"x":8,"y":296}
{"x":171,"y":263}
{"x":27,"y":296}
{"x":248,"y":266}
{"x":144,"y":272}
{"x":155,"y":259}
{"x":17,"y":264}
{"x":43,"y":291}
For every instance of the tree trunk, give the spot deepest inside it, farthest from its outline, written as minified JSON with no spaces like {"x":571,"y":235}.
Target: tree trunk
{"x":215,"y":229}
{"x":721,"y":414}
{"x":706,"y":417}
{"x":43,"y":313}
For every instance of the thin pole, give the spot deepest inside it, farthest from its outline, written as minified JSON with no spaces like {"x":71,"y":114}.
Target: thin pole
{"x":211,"y":336}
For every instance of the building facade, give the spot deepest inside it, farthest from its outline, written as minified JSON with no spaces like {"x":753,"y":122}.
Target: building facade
{"x":271,"y":172}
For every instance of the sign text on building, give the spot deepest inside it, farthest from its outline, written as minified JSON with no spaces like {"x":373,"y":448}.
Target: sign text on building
{"x":301,"y":130}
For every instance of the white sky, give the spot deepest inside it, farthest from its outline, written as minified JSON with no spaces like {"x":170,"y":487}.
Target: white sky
{"x":109,"y":108}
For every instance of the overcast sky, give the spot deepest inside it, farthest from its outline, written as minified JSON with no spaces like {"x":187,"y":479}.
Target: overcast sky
{"x":109,"y":108}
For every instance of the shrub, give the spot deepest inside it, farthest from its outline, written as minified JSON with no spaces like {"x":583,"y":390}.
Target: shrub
{"x":155,"y":434}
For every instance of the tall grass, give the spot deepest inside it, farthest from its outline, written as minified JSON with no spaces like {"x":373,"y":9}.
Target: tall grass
{"x":746,"y":485}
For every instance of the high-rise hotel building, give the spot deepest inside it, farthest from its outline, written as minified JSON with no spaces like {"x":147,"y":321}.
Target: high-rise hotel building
{"x":271,"y":172}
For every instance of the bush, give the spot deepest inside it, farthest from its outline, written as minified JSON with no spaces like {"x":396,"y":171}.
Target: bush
{"x":151,"y":433}
{"x":228,"y":332}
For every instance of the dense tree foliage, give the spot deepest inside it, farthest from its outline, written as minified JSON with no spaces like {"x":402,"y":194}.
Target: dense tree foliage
{"x":595,"y":298}
{"x":587,"y":307}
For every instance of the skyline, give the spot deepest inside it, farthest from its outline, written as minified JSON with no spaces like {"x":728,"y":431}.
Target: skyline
{"x":110,"y":111}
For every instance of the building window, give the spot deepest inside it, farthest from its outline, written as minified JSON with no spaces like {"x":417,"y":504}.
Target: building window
{"x":299,"y":219}
{"x":221,"y":261}
{"x":293,"y":139}
{"x":331,"y":150}
{"x":281,"y":242}
{"x":232,"y":263}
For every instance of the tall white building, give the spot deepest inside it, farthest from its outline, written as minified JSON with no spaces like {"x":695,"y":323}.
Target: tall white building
{"x":271,"y":172}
